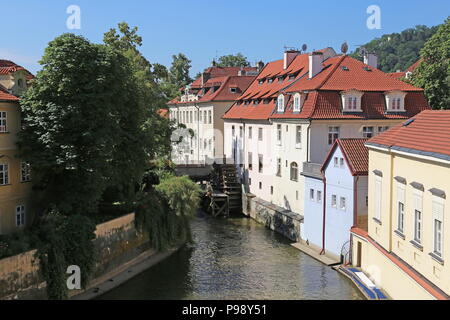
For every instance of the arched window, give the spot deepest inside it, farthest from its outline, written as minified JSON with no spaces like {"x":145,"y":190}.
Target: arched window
{"x":280,"y":103}
{"x":294,"y":171}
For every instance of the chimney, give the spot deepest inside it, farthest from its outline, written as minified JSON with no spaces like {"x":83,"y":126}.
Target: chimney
{"x":289,"y":56}
{"x":371,"y":59}
{"x":205,"y":77}
{"x":315,"y":63}
{"x":241,"y":72}
{"x":259,"y":66}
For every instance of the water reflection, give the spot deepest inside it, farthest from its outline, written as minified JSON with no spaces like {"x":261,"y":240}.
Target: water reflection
{"x":236,"y":259}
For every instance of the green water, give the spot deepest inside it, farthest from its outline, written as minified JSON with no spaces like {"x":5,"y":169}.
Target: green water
{"x":237,"y":259}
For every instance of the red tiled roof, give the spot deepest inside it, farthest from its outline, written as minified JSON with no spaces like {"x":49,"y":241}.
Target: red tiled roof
{"x":428,"y":134}
{"x":414,"y":66}
{"x":163,"y":113}
{"x":323,"y":99}
{"x":328,"y":105}
{"x":397,"y":75}
{"x":224,"y":78}
{"x":6,"y":96}
{"x":355,"y":153}
{"x":7,"y":66}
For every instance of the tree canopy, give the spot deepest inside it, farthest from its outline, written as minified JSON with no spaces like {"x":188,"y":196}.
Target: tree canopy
{"x":433,"y":73}
{"x":398,"y":51}
{"x":237,"y":60}
{"x":90,"y":122}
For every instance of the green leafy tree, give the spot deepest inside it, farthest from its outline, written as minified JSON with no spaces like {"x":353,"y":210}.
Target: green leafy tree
{"x":73,"y":122}
{"x":398,"y":51}
{"x":237,"y":60}
{"x":433,"y":73}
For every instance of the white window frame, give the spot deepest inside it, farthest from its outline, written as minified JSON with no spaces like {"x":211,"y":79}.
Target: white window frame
{"x":294,"y":177}
{"x":297,"y":102}
{"x":438,"y":209}
{"x":250,"y":132}
{"x":260,"y":134}
{"x":20,"y":215}
{"x":298,"y":137}
{"x":368,"y":132}
{"x":401,"y":191}
{"x":341,"y":163}
{"x":280,"y":103}
{"x":250,"y":161}
{"x":278,"y":172}
{"x":3,"y":122}
{"x":333,"y":134}
{"x":343,"y":204}
{"x":378,"y":199}
{"x":418,"y":216}
{"x":395,"y":101}
{"x":319,"y":196}
{"x":311,"y":194}
{"x":336,"y":162}
{"x":334,"y":201}
{"x":351,"y":101}
{"x":4,"y":174}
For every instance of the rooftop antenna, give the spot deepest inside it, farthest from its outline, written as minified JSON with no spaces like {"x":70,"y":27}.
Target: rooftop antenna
{"x":344,"y":48}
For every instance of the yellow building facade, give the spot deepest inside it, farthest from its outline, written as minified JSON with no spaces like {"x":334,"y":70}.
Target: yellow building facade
{"x":406,"y":250}
{"x":15,"y":175}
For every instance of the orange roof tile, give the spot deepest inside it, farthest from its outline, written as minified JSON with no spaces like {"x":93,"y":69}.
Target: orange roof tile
{"x":427,"y":133}
{"x":6,"y":96}
{"x":322,"y":97}
{"x":355,"y":153}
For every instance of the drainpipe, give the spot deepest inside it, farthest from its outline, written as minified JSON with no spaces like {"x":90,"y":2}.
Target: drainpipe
{"x":307,"y":141}
{"x":355,"y":214}
{"x":324,"y":179}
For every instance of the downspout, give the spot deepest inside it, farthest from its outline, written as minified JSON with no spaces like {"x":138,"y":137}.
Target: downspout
{"x":324,"y":179}
{"x":307,"y":141}
{"x":355,"y":214}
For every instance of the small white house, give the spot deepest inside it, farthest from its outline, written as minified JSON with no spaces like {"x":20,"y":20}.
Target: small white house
{"x":337,"y":200}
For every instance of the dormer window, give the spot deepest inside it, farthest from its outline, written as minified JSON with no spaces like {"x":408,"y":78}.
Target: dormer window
{"x":256,"y":102}
{"x":280,"y":103}
{"x":247,"y":102}
{"x":297,"y":102}
{"x":351,"y":101}
{"x":270,"y":80}
{"x":233,"y":90}
{"x":395,"y":101}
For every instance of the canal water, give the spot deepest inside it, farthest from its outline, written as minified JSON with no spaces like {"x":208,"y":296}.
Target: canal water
{"x":234,"y":259}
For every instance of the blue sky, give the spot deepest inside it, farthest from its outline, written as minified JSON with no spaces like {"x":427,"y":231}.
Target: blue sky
{"x":202,"y":29}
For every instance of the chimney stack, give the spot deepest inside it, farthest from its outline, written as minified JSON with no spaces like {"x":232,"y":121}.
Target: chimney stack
{"x":371,"y":59}
{"x":315,"y":63}
{"x":289,"y":56}
{"x":205,"y":77}
{"x":260,"y":66}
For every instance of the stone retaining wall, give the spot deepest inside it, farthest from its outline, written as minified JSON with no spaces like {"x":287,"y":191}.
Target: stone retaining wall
{"x":117,"y":242}
{"x":276,"y":218}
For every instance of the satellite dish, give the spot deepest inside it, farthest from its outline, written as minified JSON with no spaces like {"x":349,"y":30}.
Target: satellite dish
{"x":304,"y":47}
{"x":344,"y":48}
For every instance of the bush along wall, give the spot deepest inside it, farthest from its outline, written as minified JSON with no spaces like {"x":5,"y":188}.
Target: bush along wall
{"x":164,"y":211}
